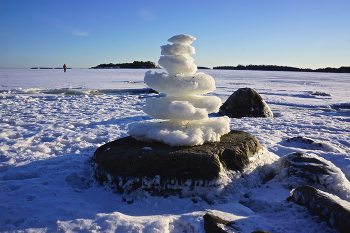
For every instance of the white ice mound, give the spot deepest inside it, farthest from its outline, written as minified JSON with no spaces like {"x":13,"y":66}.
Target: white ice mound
{"x":182,"y":108}
{"x":187,"y":112}
{"x":178,"y":64}
{"x":181,"y":133}
{"x":180,"y":84}
{"x":182,"y":39}
{"x":176,"y":59}
{"x":177,"y":49}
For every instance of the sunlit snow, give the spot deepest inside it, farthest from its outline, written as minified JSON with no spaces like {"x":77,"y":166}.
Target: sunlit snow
{"x":47,"y":140}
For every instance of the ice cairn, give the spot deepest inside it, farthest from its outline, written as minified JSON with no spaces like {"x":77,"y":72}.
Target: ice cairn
{"x":184,"y":111}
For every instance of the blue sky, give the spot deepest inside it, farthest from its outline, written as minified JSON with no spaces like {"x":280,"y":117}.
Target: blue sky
{"x":300,"y":33}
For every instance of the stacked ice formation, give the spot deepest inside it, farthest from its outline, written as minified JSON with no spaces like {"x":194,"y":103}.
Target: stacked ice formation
{"x":184,"y":110}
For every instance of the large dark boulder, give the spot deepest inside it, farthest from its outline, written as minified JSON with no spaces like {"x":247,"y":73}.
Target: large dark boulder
{"x":132,"y":164}
{"x":245,"y":102}
{"x":328,"y":207}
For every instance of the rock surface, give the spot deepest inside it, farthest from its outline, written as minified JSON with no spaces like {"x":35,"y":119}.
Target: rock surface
{"x":330,"y":208}
{"x":214,"y":224}
{"x":245,"y":102}
{"x":127,"y":158}
{"x":308,"y":143}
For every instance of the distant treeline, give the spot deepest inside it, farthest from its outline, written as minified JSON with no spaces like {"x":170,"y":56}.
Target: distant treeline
{"x":47,"y":68}
{"x":343,"y":69}
{"x":134,"y":65}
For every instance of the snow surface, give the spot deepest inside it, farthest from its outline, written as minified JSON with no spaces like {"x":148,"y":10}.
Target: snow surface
{"x":51,"y":123}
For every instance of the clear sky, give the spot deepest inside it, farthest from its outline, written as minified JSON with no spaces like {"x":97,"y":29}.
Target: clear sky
{"x":300,"y":33}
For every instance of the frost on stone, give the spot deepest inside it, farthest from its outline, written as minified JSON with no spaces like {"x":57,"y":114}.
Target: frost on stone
{"x":184,"y":111}
{"x":229,"y":183}
{"x":181,"y":133}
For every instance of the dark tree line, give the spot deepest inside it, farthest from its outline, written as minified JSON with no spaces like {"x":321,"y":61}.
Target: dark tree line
{"x":343,"y":69}
{"x":134,"y":65}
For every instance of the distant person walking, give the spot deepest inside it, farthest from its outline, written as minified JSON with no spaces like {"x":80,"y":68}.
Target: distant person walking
{"x":64,"y":67}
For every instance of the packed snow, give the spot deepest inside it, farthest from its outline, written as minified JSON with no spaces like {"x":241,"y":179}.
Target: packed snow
{"x":52,"y":122}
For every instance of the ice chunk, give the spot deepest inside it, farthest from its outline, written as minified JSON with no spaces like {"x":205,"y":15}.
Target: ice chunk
{"x":180,"y":85}
{"x":182,"y":108}
{"x":177,"y":49}
{"x":178,"y":64}
{"x":182,"y":39}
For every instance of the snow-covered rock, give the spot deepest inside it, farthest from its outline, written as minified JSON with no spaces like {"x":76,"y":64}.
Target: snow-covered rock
{"x":205,"y":170}
{"x":308,"y":144}
{"x":298,"y":169}
{"x":213,"y":223}
{"x":330,"y":208}
{"x":245,"y":102}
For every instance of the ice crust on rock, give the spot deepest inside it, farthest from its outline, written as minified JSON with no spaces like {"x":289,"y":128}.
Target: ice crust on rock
{"x":181,"y":133}
{"x":184,"y":109}
{"x":229,"y":182}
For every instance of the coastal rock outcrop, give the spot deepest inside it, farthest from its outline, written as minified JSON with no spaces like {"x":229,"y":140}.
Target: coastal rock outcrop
{"x":245,"y":102}
{"x":328,"y":207}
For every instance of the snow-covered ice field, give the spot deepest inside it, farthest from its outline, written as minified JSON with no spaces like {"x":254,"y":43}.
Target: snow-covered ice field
{"x":51,"y":123}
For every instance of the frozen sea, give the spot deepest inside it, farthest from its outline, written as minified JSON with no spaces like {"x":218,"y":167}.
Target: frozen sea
{"x":51,"y":123}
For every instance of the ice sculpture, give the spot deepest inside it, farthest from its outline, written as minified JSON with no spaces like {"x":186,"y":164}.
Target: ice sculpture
{"x":184,"y":111}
